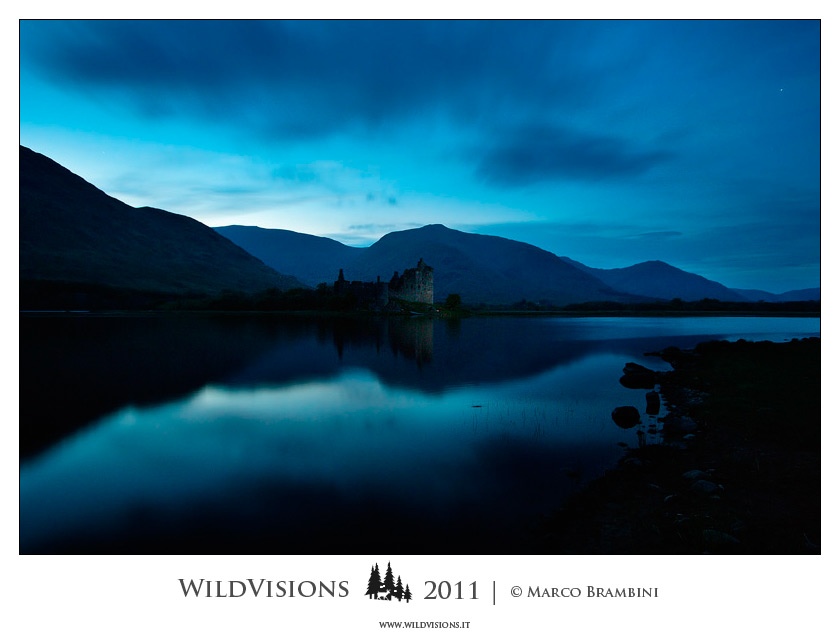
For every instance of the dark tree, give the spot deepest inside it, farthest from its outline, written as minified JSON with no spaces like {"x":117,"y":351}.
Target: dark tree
{"x":453,"y":301}
{"x":407,"y":594}
{"x":374,"y":583}
{"x":389,"y":580}
{"x":399,"y":589}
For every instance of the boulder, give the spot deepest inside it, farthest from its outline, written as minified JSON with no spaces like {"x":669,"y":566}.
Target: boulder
{"x":704,"y":486}
{"x":638,"y":380}
{"x":626,"y":417}
{"x":652,"y":399}
{"x":632,"y":367}
{"x":637,"y":377}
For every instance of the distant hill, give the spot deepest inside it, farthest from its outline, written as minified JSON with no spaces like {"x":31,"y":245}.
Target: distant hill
{"x":480,"y":268}
{"x":657,"y":279}
{"x":71,"y":232}
{"x":312,"y":259}
{"x":797,"y":295}
{"x":75,"y":238}
{"x":484,"y":268}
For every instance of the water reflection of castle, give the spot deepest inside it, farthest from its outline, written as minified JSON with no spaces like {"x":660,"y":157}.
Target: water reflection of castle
{"x":414,"y":285}
{"x":411,"y":338}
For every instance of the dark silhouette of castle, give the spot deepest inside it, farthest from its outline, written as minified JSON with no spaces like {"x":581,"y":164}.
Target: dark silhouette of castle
{"x":414,"y":285}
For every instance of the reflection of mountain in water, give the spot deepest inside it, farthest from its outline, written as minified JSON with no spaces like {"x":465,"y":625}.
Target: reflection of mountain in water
{"x":75,"y":370}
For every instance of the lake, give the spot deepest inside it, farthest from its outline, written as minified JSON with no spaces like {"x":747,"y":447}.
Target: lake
{"x":269,"y":434}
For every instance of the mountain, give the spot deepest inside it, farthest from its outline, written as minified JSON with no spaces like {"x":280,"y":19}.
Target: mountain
{"x":312,"y":259}
{"x":75,"y":237}
{"x":71,"y":232}
{"x":657,"y":279}
{"x":480,"y":268}
{"x":797,"y":295}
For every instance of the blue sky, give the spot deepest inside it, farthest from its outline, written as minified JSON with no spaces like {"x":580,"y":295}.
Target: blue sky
{"x":612,"y":142}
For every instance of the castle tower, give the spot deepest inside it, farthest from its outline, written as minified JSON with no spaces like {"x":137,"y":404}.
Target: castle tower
{"x":341,"y":285}
{"x":415,"y":285}
{"x":424,"y":283}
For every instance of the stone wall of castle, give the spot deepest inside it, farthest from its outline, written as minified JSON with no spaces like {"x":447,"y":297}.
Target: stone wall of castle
{"x":375,"y":293}
{"x":414,"y":285}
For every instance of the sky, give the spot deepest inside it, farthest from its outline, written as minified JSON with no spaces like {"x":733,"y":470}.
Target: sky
{"x":611,"y":142}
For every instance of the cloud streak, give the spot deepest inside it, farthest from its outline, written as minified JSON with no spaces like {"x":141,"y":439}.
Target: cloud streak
{"x":319,"y":76}
{"x":654,"y":235}
{"x":536,"y":154}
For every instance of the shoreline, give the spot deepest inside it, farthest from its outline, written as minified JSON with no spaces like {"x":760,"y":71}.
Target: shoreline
{"x":451,"y":316}
{"x":739,"y":472}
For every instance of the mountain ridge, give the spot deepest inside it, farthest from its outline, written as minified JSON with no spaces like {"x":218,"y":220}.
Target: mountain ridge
{"x":480,"y":268}
{"x":492,"y":273}
{"x":658,"y":279}
{"x":72,"y":232}
{"x":483,"y":268}
{"x":795,"y":295}
{"x":313,"y":259}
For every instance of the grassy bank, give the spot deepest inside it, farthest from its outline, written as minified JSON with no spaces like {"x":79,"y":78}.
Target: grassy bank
{"x":740,"y":470}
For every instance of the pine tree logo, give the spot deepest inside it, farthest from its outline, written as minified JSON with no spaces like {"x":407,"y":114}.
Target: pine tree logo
{"x":387,"y":589}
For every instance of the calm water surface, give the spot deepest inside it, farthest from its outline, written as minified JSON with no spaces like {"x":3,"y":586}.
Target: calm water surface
{"x":254,"y":434}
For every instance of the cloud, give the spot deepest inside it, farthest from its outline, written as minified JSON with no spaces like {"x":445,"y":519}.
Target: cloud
{"x":540,"y":153}
{"x":295,"y":174}
{"x":304,"y":79}
{"x":653,"y":235}
{"x":383,"y":228}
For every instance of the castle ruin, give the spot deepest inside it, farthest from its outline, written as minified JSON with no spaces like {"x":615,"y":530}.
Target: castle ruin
{"x":414,"y":285}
